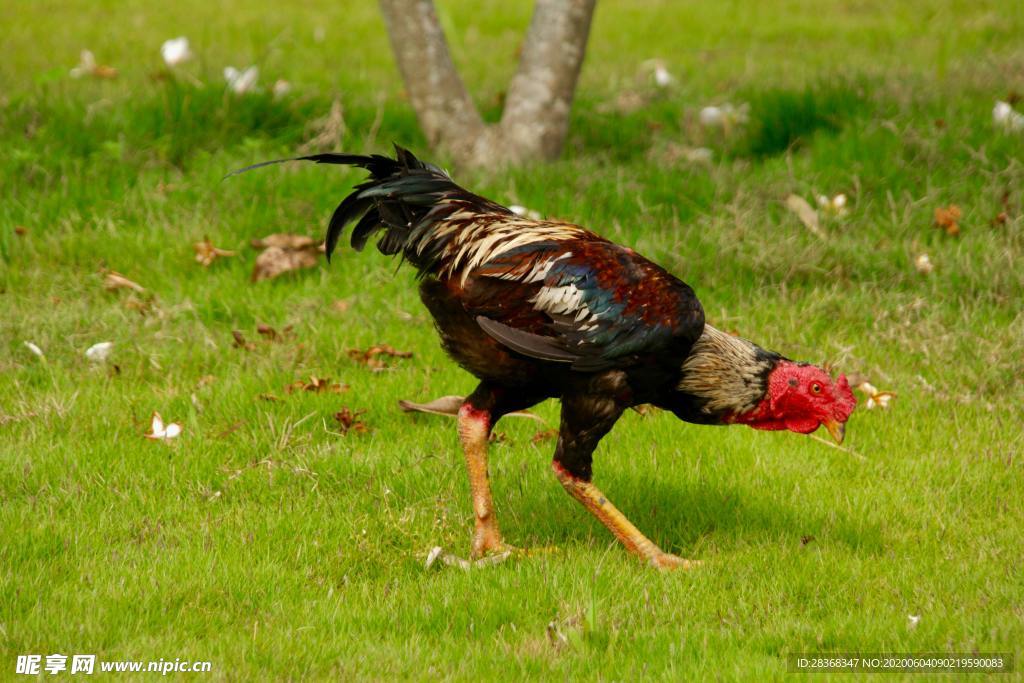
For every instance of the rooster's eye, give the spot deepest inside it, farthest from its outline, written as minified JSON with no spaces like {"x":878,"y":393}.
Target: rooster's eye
{"x":816,"y":388}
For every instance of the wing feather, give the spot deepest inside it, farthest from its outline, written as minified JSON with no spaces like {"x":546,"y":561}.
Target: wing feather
{"x":600,"y":303}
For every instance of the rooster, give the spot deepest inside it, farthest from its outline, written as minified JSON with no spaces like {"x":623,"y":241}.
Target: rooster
{"x":540,"y":309}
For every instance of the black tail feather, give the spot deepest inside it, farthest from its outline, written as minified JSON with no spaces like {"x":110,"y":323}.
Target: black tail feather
{"x":347,"y":211}
{"x":372,"y":163}
{"x":367,"y":226}
{"x":400,"y":198}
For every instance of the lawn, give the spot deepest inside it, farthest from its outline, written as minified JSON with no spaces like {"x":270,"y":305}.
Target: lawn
{"x":271,"y":543}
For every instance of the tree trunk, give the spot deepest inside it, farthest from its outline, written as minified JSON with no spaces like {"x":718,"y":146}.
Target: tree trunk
{"x":445,"y":110}
{"x":536,"y":117}
{"x":535,"y":121}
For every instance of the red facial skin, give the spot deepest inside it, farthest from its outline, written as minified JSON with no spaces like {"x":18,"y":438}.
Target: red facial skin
{"x":800,"y":398}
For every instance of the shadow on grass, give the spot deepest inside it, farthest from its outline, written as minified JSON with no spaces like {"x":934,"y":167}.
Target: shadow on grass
{"x":678,"y":516}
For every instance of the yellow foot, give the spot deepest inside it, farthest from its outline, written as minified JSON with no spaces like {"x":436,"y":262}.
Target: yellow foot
{"x":487,"y":541}
{"x":668,"y":561}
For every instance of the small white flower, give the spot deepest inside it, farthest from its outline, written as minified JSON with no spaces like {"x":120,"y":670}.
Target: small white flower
{"x":1002,"y":111}
{"x":99,"y":353}
{"x":913,"y":620}
{"x":175,"y":51}
{"x":880,"y":400}
{"x":34,"y":349}
{"x":86,"y":65}
{"x":658,"y":72}
{"x":711,"y":117}
{"x":726,"y":116}
{"x":525,"y":212}
{"x":281,"y":88}
{"x":243,"y":81}
{"x":876,"y":398}
{"x":158,"y":431}
{"x":923,"y":264}
{"x":1004,"y":116}
{"x":662,"y":77}
{"x":836,"y":206}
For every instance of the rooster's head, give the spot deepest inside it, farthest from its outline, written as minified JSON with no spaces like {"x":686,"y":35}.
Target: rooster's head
{"x":801,"y":397}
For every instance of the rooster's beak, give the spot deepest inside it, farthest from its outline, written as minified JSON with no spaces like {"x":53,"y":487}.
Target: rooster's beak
{"x":836,"y":428}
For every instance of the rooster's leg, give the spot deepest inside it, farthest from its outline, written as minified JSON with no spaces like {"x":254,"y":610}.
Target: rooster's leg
{"x":474,"y":430}
{"x":477,"y":416}
{"x":584,"y":422}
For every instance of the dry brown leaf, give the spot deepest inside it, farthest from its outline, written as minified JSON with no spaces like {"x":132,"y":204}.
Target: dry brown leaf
{"x":544,"y":435}
{"x":348,"y":420}
{"x":134,"y":303}
{"x":948,"y":218}
{"x":266,"y":331}
{"x":372,"y":357}
{"x":317,"y":385}
{"x":276,"y":261}
{"x":206,"y":253}
{"x":450,"y":405}
{"x":241,"y":342}
{"x":445,"y":405}
{"x":114,"y":280}
{"x":284,"y":240}
{"x":284,"y":253}
{"x":1003,"y":217}
{"x":806,"y":213}
{"x":270,"y":334}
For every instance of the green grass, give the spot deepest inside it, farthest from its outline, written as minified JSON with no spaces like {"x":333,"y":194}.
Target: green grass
{"x":266,"y":542}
